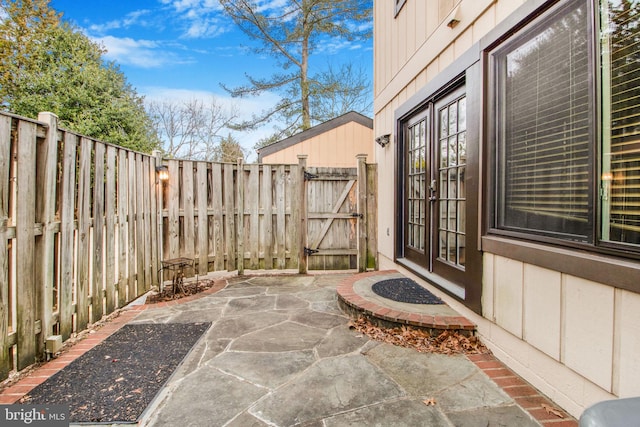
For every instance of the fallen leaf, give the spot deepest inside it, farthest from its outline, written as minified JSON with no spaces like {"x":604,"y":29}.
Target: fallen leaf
{"x":430,"y":402}
{"x":552,"y":410}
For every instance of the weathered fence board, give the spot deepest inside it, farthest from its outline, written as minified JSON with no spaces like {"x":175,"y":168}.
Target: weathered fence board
{"x":203,"y":231}
{"x":84,"y":218}
{"x":131,"y":227}
{"x":218,"y":217}
{"x":5,"y":302}
{"x":67,"y":235}
{"x":123,"y":228}
{"x":24,"y":243}
{"x":98,"y":233}
{"x":110,"y":231}
{"x":266,"y":198}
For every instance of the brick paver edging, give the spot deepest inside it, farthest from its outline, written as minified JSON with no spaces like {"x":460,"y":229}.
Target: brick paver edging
{"x":348,"y":296}
{"x":522,"y":392}
{"x":525,"y":395}
{"x":16,"y":391}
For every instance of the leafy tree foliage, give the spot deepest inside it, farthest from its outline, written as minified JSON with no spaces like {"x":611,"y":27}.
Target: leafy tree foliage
{"x":291,"y":35}
{"x":48,"y":65}
{"x":229,"y":150}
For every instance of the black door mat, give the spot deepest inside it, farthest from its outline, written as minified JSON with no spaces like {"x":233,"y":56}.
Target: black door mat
{"x":118,"y":378}
{"x":403,"y":289}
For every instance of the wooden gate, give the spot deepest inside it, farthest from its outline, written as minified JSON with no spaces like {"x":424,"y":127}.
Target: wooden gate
{"x":339,"y":210}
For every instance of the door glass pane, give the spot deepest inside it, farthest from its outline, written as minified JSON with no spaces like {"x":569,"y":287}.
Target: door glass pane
{"x":417,"y":186}
{"x":451,"y":199}
{"x":620,"y":181}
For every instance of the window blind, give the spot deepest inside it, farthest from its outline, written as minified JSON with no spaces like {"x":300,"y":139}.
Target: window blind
{"x":545,"y":156}
{"x":621,"y":166}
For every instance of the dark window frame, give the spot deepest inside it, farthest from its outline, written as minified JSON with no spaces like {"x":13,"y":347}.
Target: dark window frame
{"x":501,"y":42}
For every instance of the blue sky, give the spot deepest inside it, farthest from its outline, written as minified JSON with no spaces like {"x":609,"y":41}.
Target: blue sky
{"x":184,"y":49}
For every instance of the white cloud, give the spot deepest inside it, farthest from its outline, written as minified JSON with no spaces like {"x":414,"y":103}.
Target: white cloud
{"x":132,"y":18}
{"x":202,"y":18}
{"x":139,"y":53}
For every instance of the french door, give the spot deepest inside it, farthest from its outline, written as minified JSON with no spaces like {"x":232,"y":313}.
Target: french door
{"x":435,"y":198}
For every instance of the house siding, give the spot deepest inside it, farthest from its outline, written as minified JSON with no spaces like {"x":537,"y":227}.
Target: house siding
{"x":574,"y":338}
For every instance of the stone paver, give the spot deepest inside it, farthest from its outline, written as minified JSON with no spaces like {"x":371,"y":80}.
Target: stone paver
{"x":280,"y":353}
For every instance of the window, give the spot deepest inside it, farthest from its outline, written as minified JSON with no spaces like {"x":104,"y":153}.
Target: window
{"x":557,"y":173}
{"x":620,"y":29}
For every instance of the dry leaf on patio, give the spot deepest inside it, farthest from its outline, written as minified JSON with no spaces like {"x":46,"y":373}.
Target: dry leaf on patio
{"x":430,"y":402}
{"x":552,"y":410}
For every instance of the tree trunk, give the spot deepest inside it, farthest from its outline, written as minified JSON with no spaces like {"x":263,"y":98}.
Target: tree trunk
{"x":304,"y":82}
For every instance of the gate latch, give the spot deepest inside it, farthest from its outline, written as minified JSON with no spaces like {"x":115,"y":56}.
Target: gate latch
{"x":356,"y":215}
{"x":309,"y":251}
{"x":308,"y":176}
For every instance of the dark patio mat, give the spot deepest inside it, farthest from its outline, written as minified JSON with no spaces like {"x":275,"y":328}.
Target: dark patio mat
{"x":117,"y":379}
{"x":403,"y":289}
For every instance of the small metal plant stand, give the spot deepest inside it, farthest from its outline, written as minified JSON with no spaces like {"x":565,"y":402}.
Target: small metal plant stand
{"x":177,"y":266}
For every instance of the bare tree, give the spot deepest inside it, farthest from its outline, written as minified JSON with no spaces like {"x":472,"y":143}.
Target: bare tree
{"x":338,"y":91}
{"x":191,"y":129}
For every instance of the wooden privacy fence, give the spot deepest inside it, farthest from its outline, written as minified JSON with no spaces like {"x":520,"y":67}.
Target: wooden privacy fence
{"x":84,"y":226}
{"x":259,"y":216}
{"x":79,"y":227}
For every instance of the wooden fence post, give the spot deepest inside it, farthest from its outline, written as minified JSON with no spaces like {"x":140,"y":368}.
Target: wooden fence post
{"x":302,"y":198}
{"x":159,"y":205}
{"x":5,"y":161}
{"x":362,"y":210}
{"x":372,"y":216}
{"x":240,"y":208}
{"x":46,"y":205}
{"x":25,"y":237}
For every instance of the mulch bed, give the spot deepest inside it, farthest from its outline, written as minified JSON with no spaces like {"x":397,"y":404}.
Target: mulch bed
{"x":403,"y":289}
{"x":117,"y":379}
{"x":190,"y":288}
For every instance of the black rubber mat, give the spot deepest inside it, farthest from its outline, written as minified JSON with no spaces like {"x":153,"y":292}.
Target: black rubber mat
{"x":118,"y":378}
{"x":403,"y":289}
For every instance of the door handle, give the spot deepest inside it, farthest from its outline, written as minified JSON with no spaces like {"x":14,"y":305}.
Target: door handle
{"x":432,"y":191}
